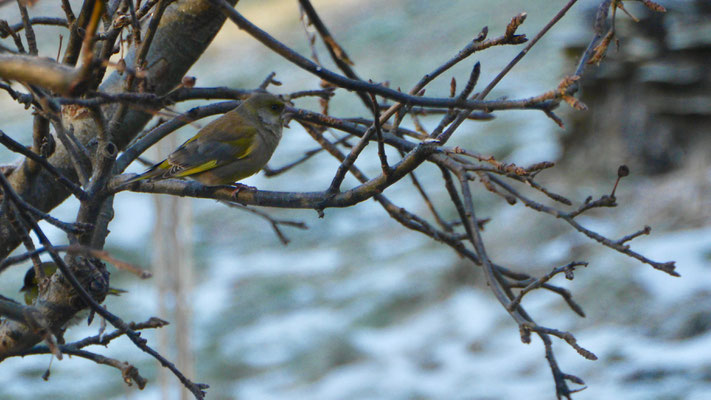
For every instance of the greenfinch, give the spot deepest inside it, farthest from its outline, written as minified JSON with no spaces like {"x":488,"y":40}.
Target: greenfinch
{"x":236,"y":145}
{"x":31,"y":286}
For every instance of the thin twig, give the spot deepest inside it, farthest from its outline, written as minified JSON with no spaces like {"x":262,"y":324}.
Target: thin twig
{"x":668,"y":267}
{"x":12,"y":145}
{"x":378,"y":130}
{"x":537,"y":283}
{"x":272,"y":221}
{"x":29,"y":31}
{"x":361,"y":86}
{"x":526,"y":49}
{"x":338,"y":55}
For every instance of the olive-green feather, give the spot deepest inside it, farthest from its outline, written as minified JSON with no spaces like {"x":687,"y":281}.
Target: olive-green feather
{"x":31,"y":285}
{"x":230,"y":148}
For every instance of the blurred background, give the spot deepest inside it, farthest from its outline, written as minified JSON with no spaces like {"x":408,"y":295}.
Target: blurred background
{"x":357,"y":307}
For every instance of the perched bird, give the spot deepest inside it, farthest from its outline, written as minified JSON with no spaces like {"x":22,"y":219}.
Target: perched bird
{"x":31,"y":286}
{"x":237,"y":145}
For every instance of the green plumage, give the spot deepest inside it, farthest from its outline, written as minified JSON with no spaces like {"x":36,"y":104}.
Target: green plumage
{"x":31,"y":286}
{"x":237,"y":145}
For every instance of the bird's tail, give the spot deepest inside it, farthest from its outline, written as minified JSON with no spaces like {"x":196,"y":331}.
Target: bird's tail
{"x":152,"y":172}
{"x":116,"y":291}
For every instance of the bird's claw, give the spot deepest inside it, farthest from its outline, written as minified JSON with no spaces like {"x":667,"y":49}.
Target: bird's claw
{"x":238,"y":187}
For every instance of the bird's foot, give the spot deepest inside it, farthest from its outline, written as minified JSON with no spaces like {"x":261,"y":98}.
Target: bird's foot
{"x":238,"y":187}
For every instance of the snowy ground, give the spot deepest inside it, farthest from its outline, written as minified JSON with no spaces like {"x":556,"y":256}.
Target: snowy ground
{"x":357,"y":307}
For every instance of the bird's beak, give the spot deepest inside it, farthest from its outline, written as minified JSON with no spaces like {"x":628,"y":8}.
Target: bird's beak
{"x":288,"y":115}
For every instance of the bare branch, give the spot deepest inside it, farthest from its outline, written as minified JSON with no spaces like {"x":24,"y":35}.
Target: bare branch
{"x":43,"y":72}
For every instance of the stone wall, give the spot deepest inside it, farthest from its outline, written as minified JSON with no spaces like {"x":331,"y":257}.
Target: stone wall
{"x":650,"y":99}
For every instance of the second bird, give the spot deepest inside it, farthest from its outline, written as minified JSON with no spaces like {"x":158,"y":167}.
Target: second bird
{"x":236,"y":145}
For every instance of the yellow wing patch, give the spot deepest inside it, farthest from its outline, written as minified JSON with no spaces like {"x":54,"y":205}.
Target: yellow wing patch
{"x":164,"y":165}
{"x":196,"y":170}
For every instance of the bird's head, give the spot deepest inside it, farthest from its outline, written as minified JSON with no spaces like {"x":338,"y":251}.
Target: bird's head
{"x":268,"y":107}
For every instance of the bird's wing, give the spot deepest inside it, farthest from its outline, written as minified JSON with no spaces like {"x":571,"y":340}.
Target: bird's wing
{"x":205,"y":152}
{"x":224,"y":140}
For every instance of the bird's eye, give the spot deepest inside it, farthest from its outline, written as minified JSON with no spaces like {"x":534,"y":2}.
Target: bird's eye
{"x":275,"y":107}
